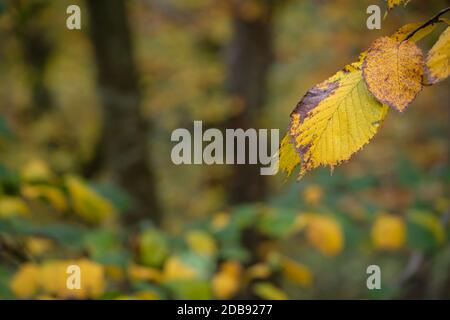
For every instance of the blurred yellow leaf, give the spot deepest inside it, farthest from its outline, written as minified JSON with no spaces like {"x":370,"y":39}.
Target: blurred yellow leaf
{"x":52,"y":194}
{"x":388,"y":232}
{"x":220,"y":220}
{"x":313,"y":194}
{"x":325,"y":234}
{"x":25,"y":282}
{"x":87,"y":203}
{"x":114,"y":272}
{"x":438,"y":59}
{"x":430,"y":222}
{"x":257,"y":271}
{"x":153,"y":248}
{"x":442,"y":204}
{"x":37,"y":246}
{"x":296,"y":272}
{"x":268,"y":291}
{"x":226,"y":282}
{"x":12,"y":206}
{"x":301,"y":221}
{"x":53,"y":279}
{"x":175,"y":269}
{"x":92,"y":278}
{"x":36,"y":170}
{"x":139,"y":273}
{"x":201,"y":242}
{"x":146,"y":295}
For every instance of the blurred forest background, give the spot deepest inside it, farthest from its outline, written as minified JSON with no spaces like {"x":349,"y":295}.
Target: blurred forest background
{"x":86,"y":176}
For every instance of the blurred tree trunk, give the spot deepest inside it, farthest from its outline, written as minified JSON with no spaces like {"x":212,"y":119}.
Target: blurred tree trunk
{"x":32,"y":31}
{"x":124,"y":136}
{"x":248,"y":58}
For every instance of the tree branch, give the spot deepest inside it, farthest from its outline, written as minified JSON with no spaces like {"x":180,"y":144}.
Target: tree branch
{"x":432,"y":20}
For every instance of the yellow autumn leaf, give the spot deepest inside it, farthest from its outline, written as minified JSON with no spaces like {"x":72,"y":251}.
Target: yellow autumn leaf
{"x":393,"y":71}
{"x":393,"y":3}
{"x":333,"y":120}
{"x":25,"y":282}
{"x":437,"y":66}
{"x":268,"y":291}
{"x":325,"y":234}
{"x":388,"y":232}
{"x":226,"y":282}
{"x":12,"y":206}
{"x":87,"y":203}
{"x":296,"y":272}
{"x":201,"y":242}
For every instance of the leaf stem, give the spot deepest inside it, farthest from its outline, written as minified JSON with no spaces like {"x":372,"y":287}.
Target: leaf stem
{"x":432,"y":20}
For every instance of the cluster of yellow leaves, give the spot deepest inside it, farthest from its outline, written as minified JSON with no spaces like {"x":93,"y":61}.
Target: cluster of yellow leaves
{"x":50,"y":278}
{"x":388,"y":232}
{"x":337,"y":117}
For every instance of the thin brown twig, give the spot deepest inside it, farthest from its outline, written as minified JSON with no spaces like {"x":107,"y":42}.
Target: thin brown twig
{"x":432,"y":20}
